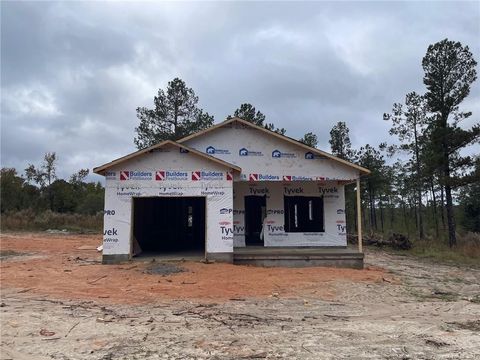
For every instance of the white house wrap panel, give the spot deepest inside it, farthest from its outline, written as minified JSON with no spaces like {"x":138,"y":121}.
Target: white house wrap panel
{"x":334,"y":213}
{"x":167,"y":173}
{"x":264,"y":157}
{"x":226,"y":165}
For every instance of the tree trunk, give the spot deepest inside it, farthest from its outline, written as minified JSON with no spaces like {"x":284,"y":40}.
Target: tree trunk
{"x":419,"y":186}
{"x":373,"y":211}
{"x":442,"y":207}
{"x":364,"y":218}
{"x":452,"y":240}
{"x":421,"y":233}
{"x":175,"y":120}
{"x":355,"y":217}
{"x":381,"y":216}
{"x":405,"y":218}
{"x":49,"y":191}
{"x":392,"y":209}
{"x":413,"y":209}
{"x":50,"y":198}
{"x":435,"y":218}
{"x":372,"y":207}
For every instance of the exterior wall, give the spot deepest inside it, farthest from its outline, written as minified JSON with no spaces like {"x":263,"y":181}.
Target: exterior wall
{"x":267,"y":158}
{"x":270,"y":166}
{"x":334,"y":213}
{"x":166,"y":173}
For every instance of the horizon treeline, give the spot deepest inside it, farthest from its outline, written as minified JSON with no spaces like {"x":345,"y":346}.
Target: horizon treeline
{"x":39,"y":189}
{"x":423,"y":186}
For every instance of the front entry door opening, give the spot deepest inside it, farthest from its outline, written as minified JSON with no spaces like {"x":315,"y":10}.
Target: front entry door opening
{"x":255,"y":213}
{"x":169,"y":224}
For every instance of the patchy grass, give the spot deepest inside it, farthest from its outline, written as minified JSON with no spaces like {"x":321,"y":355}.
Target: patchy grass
{"x":444,"y":295}
{"x":472,"y":325}
{"x":28,"y":220}
{"x":436,"y":294}
{"x":475,"y":299}
{"x":466,"y":253}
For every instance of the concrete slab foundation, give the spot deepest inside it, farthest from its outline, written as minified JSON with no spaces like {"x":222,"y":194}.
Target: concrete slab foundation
{"x":298,"y":257}
{"x":115,"y":259}
{"x":221,"y":257}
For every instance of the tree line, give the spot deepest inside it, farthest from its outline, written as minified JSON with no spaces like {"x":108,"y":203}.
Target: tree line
{"x":424,"y":177}
{"x":429,"y":179}
{"x":39,"y":189}
{"x":421,"y":185}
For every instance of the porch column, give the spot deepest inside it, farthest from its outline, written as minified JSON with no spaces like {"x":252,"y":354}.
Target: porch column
{"x":359,"y":217}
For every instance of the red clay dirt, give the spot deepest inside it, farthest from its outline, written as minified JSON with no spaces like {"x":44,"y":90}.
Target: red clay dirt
{"x":54,"y":266}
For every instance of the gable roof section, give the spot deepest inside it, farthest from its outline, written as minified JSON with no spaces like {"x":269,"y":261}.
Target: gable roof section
{"x":101,"y":169}
{"x":363,"y":171}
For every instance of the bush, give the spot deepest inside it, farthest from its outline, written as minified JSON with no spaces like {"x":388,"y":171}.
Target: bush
{"x":469,"y":244}
{"x":28,"y":220}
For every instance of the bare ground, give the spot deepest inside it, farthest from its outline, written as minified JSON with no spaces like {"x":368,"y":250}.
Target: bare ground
{"x":58,"y":302}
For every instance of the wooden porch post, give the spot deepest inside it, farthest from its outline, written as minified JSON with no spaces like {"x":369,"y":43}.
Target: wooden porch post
{"x":359,"y":217}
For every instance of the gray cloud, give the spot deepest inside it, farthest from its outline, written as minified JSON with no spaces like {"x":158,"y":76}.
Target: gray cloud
{"x":72,"y":74}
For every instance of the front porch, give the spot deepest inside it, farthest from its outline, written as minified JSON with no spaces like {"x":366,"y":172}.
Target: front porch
{"x":299,"y":256}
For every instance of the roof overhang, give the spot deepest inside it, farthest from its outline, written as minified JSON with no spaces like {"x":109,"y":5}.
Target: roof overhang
{"x":362,"y":170}
{"x":101,"y":169}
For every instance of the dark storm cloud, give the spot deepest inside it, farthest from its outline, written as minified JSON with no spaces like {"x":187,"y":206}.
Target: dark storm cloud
{"x":73,"y":73}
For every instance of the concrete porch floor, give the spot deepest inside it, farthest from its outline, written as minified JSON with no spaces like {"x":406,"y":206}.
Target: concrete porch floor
{"x":272,"y":256}
{"x":298,"y":256}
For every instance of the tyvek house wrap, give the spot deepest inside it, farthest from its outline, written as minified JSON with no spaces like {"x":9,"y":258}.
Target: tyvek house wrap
{"x":274,"y":234}
{"x":168,"y":171}
{"x":264,"y":157}
{"x":276,"y":168}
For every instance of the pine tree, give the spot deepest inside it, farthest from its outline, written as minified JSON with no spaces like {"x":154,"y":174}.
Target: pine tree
{"x":309,"y":139}
{"x":409,"y":123}
{"x":449,"y":72}
{"x":340,"y":141}
{"x":249,"y":113}
{"x":175,"y":115}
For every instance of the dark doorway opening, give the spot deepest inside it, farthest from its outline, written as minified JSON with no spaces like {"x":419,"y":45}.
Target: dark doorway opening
{"x":169,"y":224}
{"x":255,"y":213}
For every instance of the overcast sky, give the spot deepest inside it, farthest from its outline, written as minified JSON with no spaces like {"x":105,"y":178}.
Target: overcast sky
{"x":72,"y":74}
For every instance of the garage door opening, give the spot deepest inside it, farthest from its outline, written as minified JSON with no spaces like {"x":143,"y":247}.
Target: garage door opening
{"x":169,"y":225}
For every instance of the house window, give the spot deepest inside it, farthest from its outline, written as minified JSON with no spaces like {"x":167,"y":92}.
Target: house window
{"x":303,"y":214}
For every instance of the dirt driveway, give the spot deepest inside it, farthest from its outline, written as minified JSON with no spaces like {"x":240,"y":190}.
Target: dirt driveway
{"x":59,"y":302}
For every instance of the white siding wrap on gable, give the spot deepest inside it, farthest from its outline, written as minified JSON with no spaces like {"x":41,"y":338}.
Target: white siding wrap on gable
{"x":264,"y":157}
{"x":167,"y":172}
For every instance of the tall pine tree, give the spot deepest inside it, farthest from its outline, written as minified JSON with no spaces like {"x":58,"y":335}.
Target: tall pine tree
{"x":449,"y":72}
{"x":409,"y":123}
{"x":175,"y":115}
